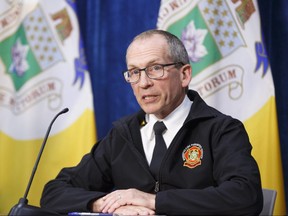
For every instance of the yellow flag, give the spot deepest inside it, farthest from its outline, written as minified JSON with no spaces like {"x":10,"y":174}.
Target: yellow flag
{"x":231,"y":72}
{"x":42,"y":71}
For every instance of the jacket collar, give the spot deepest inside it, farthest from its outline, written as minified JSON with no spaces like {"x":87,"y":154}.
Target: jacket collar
{"x":199,"y":108}
{"x":129,"y":126}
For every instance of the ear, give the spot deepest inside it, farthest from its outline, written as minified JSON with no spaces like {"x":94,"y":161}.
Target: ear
{"x":186,"y":75}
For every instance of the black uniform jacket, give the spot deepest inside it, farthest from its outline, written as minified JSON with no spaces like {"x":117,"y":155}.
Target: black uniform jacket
{"x":207,"y":170}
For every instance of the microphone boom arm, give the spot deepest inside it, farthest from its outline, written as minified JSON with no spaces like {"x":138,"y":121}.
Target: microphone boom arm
{"x":22,"y":208}
{"x":41,"y":151}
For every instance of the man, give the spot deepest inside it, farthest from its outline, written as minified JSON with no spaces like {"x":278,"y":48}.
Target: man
{"x":207,"y":168}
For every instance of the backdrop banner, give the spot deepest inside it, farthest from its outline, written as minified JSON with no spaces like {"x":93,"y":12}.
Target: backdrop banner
{"x":42,"y":71}
{"x":231,"y":71}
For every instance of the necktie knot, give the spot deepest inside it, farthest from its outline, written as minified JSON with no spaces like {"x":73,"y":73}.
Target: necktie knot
{"x":159,"y":127}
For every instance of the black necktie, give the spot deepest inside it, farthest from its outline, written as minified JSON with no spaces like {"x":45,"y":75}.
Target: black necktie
{"x":159,"y":149}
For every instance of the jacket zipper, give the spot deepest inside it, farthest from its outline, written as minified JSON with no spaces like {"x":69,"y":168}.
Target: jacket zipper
{"x":156,"y":189}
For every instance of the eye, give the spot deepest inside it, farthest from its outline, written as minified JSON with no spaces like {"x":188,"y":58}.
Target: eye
{"x":156,"y":67}
{"x":134,"y":71}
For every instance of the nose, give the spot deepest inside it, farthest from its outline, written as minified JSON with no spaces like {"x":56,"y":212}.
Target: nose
{"x":144,"y":80}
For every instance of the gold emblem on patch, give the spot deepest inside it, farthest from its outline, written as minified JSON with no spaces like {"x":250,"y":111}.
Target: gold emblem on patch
{"x":192,"y":155}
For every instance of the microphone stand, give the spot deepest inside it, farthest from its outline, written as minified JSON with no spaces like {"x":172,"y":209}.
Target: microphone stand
{"x":22,"y":208}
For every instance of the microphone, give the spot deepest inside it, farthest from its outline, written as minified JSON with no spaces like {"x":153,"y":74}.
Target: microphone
{"x":22,"y":208}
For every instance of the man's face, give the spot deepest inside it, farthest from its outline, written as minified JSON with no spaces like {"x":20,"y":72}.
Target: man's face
{"x":161,"y":96}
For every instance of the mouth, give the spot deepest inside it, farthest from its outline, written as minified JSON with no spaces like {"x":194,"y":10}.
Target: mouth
{"x":149,"y":98}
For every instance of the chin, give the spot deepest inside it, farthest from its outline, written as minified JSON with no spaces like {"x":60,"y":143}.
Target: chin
{"x":149,"y":110}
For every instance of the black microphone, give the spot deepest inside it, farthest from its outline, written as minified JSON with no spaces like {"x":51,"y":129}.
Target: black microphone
{"x":22,"y":208}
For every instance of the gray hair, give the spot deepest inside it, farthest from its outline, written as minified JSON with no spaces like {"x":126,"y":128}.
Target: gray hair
{"x":177,"y":50}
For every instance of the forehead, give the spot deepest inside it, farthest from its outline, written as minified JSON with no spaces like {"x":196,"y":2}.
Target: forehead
{"x":152,"y":48}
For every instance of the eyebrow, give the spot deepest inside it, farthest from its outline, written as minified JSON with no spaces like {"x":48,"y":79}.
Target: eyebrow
{"x":148,"y":64}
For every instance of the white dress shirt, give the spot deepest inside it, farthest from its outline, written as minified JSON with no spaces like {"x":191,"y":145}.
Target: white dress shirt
{"x":173,"y":123}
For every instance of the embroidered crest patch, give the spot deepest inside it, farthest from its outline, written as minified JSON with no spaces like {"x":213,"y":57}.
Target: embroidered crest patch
{"x":192,"y":155}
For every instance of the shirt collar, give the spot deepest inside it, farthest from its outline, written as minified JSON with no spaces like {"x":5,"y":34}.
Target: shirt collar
{"x":173,"y":121}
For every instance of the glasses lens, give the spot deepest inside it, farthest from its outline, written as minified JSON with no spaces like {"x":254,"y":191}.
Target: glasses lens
{"x":155,"y":71}
{"x":126,"y":76}
{"x":132,"y":75}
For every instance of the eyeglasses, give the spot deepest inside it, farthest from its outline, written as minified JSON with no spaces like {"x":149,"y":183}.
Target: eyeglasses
{"x":153,"y":72}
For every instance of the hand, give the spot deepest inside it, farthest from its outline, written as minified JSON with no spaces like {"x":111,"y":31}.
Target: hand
{"x":133,"y":210}
{"x":130,"y":197}
{"x":96,"y":205}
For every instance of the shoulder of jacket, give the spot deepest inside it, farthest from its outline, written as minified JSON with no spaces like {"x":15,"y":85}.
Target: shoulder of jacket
{"x":200,"y":109}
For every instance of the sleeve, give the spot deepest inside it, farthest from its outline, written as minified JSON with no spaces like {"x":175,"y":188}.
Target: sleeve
{"x":237,"y":189}
{"x":75,"y":187}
